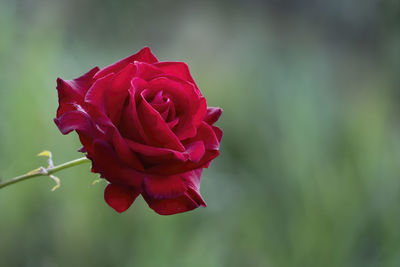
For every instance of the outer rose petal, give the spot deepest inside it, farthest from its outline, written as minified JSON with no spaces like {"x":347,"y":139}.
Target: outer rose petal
{"x":82,"y":123}
{"x":86,"y":142}
{"x":171,"y":206}
{"x":164,"y":187}
{"x":73,"y":91}
{"x":213,"y":114}
{"x":218,"y":132}
{"x":79,"y":85}
{"x":178,"y":69}
{"x":206,"y":134}
{"x":119,"y":197}
{"x":201,"y":111}
{"x":190,"y":200}
{"x":144,"y":55}
{"x":76,"y":120}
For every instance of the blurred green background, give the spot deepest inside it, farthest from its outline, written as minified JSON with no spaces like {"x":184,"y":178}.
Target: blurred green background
{"x":309,"y":172}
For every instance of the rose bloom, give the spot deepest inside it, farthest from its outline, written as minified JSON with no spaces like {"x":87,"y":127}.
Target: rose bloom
{"x":146,"y":128}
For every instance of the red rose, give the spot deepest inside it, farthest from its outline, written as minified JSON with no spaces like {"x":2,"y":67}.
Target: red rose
{"x":146,"y":128}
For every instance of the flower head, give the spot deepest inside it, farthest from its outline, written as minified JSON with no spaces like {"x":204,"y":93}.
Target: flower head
{"x":146,"y":128}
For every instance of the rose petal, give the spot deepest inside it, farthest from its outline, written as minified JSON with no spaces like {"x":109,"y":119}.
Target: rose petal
{"x":218,"y":132}
{"x":144,"y":55}
{"x":96,"y":93}
{"x":171,"y":206}
{"x":86,"y":141}
{"x":125,"y":153}
{"x":156,"y":128}
{"x":106,"y":162}
{"x":167,"y":187}
{"x":130,"y":125}
{"x":201,"y":111}
{"x":83,"y":83}
{"x":190,"y":200}
{"x":173,"y":123}
{"x":186,"y":103}
{"x":76,"y":120}
{"x":193,"y":152}
{"x":80,"y":121}
{"x":116,"y":95}
{"x":146,"y":71}
{"x":178,"y":69}
{"x":80,"y":85}
{"x":168,"y":168}
{"x":192,"y":180}
{"x":119,"y":197}
{"x":152,"y":151}
{"x":66,"y":97}
{"x":213,"y":114}
{"x":206,"y":134}
{"x":196,"y":197}
{"x":112,"y":135}
{"x":164,"y":187}
{"x":73,"y":91}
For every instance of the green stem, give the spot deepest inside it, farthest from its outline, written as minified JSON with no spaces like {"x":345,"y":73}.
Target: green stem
{"x":44,"y":171}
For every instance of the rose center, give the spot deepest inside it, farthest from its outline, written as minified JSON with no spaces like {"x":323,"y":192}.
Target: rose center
{"x":162,"y":103}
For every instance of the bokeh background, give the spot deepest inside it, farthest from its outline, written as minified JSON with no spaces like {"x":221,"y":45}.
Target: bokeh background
{"x":309,"y":172}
